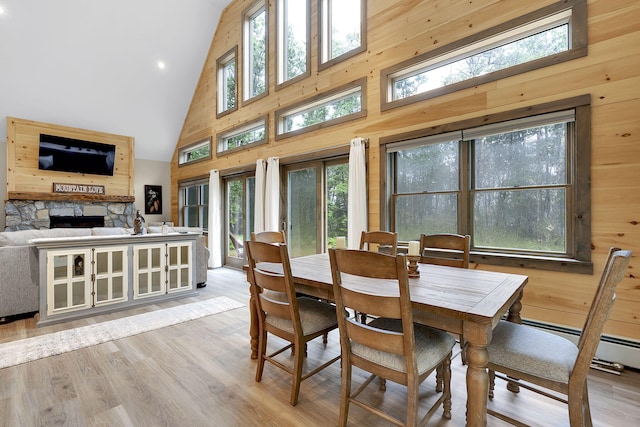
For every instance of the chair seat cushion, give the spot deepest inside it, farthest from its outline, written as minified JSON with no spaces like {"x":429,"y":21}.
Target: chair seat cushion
{"x":532,"y":351}
{"x":432,"y":346}
{"x":315,"y":316}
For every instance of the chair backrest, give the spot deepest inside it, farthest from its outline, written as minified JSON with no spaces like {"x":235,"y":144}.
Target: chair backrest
{"x":269,"y":237}
{"x":445,"y":249}
{"x":270,"y":279}
{"x":380,"y":238}
{"x":613,"y":273}
{"x":359,"y":292}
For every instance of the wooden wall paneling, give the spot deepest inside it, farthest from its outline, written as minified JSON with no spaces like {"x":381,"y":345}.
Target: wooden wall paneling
{"x":22,"y":160}
{"x":399,"y":30}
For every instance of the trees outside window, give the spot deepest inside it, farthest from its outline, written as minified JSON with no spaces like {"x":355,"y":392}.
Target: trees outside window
{"x":294,"y":33}
{"x":227,"y":89}
{"x":255,"y":51}
{"x":518,"y":187}
{"x":342,"y":30}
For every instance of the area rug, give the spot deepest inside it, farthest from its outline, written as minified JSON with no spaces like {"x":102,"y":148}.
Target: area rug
{"x":29,"y":349}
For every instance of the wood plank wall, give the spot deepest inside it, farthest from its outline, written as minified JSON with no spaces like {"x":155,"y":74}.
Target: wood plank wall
{"x":24,"y":177}
{"x":400,"y":29}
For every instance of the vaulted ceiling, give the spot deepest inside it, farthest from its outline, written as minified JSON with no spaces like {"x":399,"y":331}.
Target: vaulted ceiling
{"x":97,"y":65}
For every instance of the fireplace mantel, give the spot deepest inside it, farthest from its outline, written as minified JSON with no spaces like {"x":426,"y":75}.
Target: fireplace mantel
{"x":14,"y":195}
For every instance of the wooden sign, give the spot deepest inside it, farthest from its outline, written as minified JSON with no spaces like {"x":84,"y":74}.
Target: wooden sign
{"x":78,"y":188}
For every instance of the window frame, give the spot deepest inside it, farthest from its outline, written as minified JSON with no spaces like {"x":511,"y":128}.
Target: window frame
{"x":183,"y":186}
{"x":247,"y":17}
{"x":230,"y":56}
{"x":578,"y":198}
{"x":281,"y":81}
{"x":316,"y":101}
{"x":324,"y":29}
{"x":183,"y":152}
{"x":238,"y":130}
{"x":577,"y":48}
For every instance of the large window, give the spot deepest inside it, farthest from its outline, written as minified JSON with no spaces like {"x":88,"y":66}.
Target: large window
{"x":518,"y":187}
{"x":294,"y":33}
{"x":343,"y":30}
{"x":194,"y":201}
{"x":255,"y":51}
{"x":550,"y":35}
{"x":334,"y":107}
{"x":227,"y":89}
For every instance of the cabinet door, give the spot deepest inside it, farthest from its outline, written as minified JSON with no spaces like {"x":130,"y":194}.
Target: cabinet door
{"x":110,"y":275}
{"x":68,"y":281}
{"x":148,"y":270}
{"x":179,"y":266}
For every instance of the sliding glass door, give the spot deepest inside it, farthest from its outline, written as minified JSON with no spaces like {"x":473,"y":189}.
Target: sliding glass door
{"x":316,"y":211}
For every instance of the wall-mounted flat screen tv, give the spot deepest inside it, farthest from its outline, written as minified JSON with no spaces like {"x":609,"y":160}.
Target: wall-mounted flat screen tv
{"x":58,"y":153}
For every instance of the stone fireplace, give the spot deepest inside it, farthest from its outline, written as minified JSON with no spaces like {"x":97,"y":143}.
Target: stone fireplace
{"x":39,"y":214}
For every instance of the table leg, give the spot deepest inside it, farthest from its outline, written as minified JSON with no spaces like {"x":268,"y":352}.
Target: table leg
{"x":477,"y":376}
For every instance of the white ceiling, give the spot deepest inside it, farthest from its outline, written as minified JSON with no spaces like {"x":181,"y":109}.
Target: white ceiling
{"x":93,"y":64}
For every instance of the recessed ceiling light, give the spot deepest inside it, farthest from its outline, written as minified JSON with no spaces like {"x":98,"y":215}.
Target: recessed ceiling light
{"x":1,"y":10}
{"x":161,"y":65}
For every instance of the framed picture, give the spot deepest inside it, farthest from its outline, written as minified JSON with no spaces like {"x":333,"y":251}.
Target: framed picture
{"x":153,"y":199}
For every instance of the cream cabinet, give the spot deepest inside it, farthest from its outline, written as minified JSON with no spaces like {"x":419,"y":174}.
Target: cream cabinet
{"x":88,"y":275}
{"x":162,"y":268}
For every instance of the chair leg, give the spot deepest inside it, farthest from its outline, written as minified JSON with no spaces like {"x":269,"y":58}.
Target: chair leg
{"x":446,"y":378}
{"x":463,"y":350}
{"x":587,"y":409}
{"x":383,"y":384}
{"x":579,"y":412}
{"x":439,"y":378}
{"x":492,"y":382}
{"x":262,"y":350}
{"x":297,"y":375}
{"x":345,"y":392}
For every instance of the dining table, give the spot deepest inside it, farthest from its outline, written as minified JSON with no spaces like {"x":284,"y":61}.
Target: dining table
{"x":457,"y":300}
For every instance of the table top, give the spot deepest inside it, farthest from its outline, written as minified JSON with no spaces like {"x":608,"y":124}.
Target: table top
{"x":464,"y":294}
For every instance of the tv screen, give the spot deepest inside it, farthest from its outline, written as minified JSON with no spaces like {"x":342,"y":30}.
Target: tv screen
{"x":58,"y":153}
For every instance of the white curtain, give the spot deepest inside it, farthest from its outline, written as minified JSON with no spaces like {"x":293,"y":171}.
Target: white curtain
{"x":272,"y":195}
{"x":357,"y":202}
{"x":215,"y":221}
{"x":259,"y":210}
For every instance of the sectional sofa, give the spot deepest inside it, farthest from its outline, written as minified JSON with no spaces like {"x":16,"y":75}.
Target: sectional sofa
{"x":19,"y":267}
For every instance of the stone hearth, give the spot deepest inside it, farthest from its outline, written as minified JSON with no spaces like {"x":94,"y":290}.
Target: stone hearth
{"x":36,"y":214}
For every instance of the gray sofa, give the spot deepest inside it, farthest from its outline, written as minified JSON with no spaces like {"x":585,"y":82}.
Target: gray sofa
{"x":19,"y":268}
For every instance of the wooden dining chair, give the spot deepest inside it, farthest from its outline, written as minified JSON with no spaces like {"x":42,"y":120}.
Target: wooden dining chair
{"x":269,"y":237}
{"x":390,"y":347}
{"x":450,"y":250}
{"x":445,"y":249}
{"x":296,"y":320}
{"x":387,"y":238}
{"x":553,"y":362}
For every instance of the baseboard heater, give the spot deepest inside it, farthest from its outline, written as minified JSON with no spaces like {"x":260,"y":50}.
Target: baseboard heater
{"x":610,"y":349}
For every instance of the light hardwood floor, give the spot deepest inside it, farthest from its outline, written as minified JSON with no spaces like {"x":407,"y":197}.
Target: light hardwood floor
{"x":199,"y":373}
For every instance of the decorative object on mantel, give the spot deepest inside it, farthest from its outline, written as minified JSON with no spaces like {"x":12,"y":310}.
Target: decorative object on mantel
{"x":152,"y":199}
{"x":137,"y":224}
{"x":78,"y":188}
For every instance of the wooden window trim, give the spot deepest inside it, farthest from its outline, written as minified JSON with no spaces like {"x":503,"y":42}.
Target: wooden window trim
{"x":578,"y":37}
{"x":363,"y":38}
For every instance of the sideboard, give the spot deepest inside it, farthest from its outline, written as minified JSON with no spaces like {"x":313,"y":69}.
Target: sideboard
{"x":85,"y":276}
